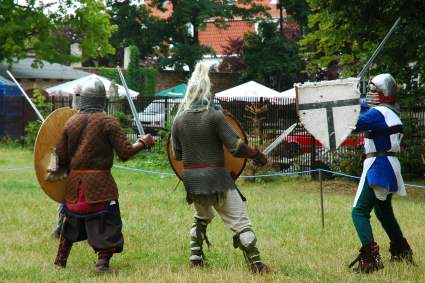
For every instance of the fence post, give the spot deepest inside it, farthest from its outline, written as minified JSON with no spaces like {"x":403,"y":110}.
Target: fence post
{"x":321,"y":198}
{"x":313,"y":157}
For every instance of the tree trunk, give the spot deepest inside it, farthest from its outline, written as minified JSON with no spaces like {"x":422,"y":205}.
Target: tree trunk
{"x":281,"y":22}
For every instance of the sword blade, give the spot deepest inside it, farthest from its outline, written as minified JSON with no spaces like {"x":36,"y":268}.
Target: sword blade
{"x":279,"y":139}
{"x":376,"y":52}
{"x":131,"y":103}
{"x":26,"y":96}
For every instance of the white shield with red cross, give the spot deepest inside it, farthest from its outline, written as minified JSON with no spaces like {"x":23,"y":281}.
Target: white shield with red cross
{"x":329,"y":110}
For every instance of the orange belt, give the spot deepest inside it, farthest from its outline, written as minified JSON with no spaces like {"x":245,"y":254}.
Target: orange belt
{"x":82,"y":171}
{"x":196,"y":166}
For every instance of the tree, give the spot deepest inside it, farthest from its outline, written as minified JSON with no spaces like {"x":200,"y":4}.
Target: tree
{"x":232,"y":59}
{"x":270,"y":58}
{"x":349,"y":32}
{"x":46,"y":33}
{"x":297,"y":9}
{"x":189,"y":17}
{"x":136,"y":26}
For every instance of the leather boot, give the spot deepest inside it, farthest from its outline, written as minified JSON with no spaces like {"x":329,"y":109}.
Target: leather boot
{"x":259,"y":267}
{"x":401,"y":251}
{"x":102,"y":264}
{"x":368,"y":260}
{"x":63,"y":252}
{"x":246,"y":241}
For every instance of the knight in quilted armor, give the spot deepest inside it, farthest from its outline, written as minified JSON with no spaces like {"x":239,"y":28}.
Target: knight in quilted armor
{"x":199,"y":131}
{"x":381,"y":176}
{"x":85,"y":150}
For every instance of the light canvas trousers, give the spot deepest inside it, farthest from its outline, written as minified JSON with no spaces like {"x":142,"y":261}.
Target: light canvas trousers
{"x":232,"y":210}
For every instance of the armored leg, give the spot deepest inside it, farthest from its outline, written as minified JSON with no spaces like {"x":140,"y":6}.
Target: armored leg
{"x":63,"y":252}
{"x":198,"y":234}
{"x":246,"y":241}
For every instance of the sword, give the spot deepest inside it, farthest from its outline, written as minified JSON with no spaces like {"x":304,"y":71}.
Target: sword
{"x":130,"y":101}
{"x":376,"y":52}
{"x":26,"y":96}
{"x":279,"y":139}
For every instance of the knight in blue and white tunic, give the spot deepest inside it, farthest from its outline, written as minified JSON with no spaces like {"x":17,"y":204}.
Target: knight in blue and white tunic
{"x":381,"y":176}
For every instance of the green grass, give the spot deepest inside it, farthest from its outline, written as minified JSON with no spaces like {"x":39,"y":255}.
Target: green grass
{"x":285,"y":213}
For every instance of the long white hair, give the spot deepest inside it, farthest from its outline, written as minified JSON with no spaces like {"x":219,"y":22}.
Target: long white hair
{"x":198,"y":88}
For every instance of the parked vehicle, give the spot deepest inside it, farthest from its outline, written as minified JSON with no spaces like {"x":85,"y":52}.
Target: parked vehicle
{"x":303,"y":142}
{"x":156,"y":115}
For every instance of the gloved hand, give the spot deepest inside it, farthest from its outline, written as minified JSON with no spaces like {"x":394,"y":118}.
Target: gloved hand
{"x":260,"y":158}
{"x":147,"y":140}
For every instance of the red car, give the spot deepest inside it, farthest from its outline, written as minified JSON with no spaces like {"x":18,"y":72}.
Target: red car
{"x":303,"y":142}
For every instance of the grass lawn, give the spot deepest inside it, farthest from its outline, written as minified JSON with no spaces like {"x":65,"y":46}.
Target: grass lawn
{"x":285,"y":213}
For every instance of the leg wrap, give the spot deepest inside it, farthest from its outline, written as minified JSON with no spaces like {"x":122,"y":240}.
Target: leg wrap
{"x":246,"y":241}
{"x":198,"y":234}
{"x":102,"y":264}
{"x":61,"y":218}
{"x":63,"y":252}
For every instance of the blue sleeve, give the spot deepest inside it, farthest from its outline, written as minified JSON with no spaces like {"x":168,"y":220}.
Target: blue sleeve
{"x":371,"y":120}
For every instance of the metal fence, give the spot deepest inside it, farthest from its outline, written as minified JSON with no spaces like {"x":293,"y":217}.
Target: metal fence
{"x":262,"y":119}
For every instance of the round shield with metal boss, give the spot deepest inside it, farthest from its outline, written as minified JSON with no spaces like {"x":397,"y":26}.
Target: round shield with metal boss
{"x":48,"y":136}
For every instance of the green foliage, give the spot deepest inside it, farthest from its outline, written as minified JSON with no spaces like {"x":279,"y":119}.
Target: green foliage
{"x":185,"y":54}
{"x":140,"y":79}
{"x":349,"y":162}
{"x":111,"y":74}
{"x":136,"y":26}
{"x":187,"y":49}
{"x":413,"y":145}
{"x":270,"y":58}
{"x":47,"y":33}
{"x":31,"y":130}
{"x":297,"y":9}
{"x":349,"y":32}
{"x":151,"y":160}
{"x":125,"y":121}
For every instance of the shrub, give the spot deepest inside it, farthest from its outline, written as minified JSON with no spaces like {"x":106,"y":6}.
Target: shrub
{"x":348,"y":162}
{"x":31,"y":130}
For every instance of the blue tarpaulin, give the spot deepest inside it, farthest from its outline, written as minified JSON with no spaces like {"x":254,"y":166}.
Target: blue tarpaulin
{"x":8,"y":88}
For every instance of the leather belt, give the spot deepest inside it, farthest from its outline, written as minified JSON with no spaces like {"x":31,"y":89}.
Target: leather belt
{"x":89,"y":171}
{"x":207,"y":165}
{"x":380,"y":154}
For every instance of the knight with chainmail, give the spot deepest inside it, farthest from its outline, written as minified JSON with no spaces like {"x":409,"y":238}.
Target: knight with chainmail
{"x":199,"y":132}
{"x":381,"y":176}
{"x":85,"y":152}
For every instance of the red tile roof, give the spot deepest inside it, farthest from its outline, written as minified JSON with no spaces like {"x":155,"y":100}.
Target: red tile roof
{"x":168,"y":7}
{"x":216,"y":38}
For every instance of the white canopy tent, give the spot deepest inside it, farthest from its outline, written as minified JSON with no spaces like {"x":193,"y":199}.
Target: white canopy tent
{"x":69,"y":88}
{"x":289,"y":93}
{"x":246,"y":91}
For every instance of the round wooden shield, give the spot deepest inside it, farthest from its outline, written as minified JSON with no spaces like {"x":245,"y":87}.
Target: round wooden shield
{"x":233,"y":164}
{"x":48,"y":136}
